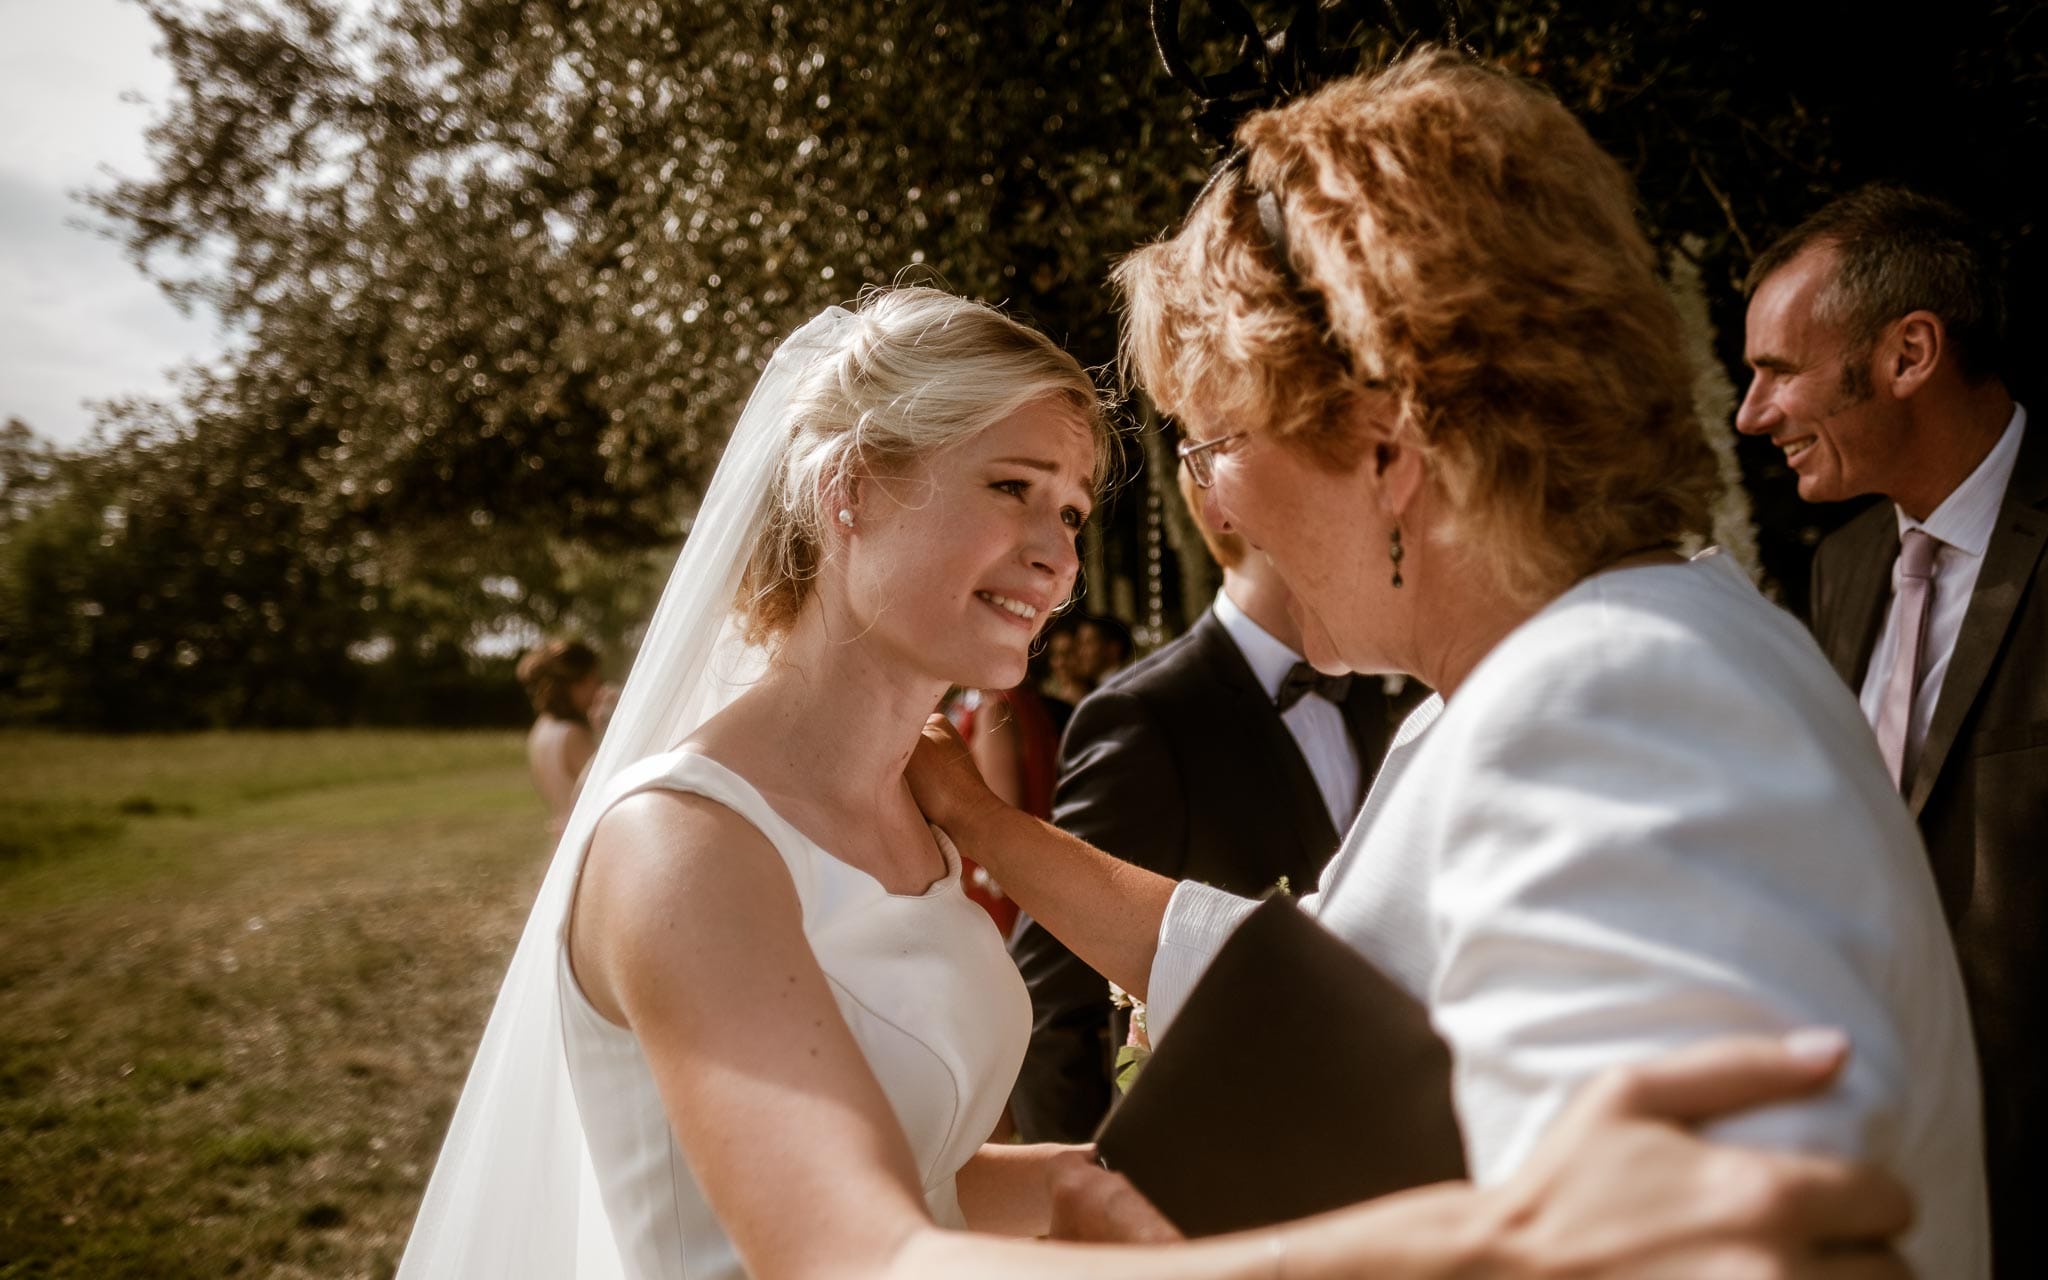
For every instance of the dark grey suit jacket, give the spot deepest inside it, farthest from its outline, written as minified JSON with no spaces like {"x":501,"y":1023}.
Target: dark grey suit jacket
{"x":1181,"y":765}
{"x":1980,"y":795}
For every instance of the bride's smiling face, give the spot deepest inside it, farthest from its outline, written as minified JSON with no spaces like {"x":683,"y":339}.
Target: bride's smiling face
{"x":955,"y":563}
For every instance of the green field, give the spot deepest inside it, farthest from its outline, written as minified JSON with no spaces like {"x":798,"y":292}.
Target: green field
{"x":241,"y":977}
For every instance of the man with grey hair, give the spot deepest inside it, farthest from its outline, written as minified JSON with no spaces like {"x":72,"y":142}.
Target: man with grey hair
{"x":1876,"y":335}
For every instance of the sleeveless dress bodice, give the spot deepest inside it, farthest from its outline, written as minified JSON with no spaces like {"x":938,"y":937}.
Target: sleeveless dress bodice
{"x":924,"y":984}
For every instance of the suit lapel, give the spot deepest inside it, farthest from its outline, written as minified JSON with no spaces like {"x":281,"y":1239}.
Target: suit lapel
{"x":1271,"y":748}
{"x":1850,"y":628}
{"x":2009,"y":561}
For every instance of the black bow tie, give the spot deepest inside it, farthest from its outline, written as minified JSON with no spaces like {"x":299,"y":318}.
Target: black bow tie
{"x":1303,"y":679}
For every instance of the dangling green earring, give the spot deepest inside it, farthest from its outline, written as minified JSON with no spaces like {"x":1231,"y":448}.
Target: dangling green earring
{"x":1395,"y":552}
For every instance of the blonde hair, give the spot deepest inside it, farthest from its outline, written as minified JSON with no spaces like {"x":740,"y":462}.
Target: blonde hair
{"x":1480,"y":263}
{"x":923,"y":370}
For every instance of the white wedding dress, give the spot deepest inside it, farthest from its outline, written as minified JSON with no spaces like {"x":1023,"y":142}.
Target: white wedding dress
{"x":923,"y":981}
{"x":559,"y":1164}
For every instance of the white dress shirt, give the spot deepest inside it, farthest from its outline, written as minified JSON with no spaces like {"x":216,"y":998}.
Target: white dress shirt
{"x":1316,"y":723}
{"x":1962,"y":524}
{"x":1653,"y":816}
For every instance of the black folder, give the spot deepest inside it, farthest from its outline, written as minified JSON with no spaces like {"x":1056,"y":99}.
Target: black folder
{"x":1297,"y":1078}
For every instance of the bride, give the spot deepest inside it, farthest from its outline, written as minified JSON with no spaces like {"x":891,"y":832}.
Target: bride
{"x":755,"y":1027}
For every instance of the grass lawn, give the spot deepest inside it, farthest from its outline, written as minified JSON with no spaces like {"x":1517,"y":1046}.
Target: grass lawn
{"x":241,"y":978}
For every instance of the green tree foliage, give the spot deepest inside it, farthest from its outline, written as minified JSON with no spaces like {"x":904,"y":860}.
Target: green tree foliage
{"x":517,"y":262}
{"x":159,"y":580}
{"x":501,"y":270}
{"x":504,"y":271}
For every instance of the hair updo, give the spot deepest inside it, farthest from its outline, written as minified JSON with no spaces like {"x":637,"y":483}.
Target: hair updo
{"x":921,"y":370}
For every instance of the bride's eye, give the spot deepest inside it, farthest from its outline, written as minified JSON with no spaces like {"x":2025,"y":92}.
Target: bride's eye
{"x":1015,"y":488}
{"x":1074,"y":517}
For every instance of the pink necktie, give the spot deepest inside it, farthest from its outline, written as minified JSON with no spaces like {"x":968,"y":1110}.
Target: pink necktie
{"x":1916,"y":588}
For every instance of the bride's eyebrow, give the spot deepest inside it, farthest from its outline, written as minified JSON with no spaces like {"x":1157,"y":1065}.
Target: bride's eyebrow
{"x":1038,"y":464}
{"x":1035,"y":464}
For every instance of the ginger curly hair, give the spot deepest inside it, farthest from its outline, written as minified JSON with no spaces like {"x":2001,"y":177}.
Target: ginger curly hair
{"x":1478,"y":259}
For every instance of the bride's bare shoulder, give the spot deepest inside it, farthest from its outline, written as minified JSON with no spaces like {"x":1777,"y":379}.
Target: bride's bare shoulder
{"x":664,"y":836}
{"x":670,"y":869}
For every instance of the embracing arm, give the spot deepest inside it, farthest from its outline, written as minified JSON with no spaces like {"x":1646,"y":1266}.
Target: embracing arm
{"x":1106,"y":910}
{"x":687,"y":928}
{"x":1006,"y":1189}
{"x":1618,"y":1188}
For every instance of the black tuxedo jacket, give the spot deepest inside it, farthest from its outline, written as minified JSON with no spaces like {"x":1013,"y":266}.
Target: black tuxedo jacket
{"x":1980,"y":795}
{"x":1181,"y":765}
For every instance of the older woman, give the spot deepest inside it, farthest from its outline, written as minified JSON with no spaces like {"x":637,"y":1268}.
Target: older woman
{"x":1422,"y":359}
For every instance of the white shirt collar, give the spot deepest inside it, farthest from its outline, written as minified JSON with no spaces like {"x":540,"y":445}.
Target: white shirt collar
{"x":1966,"y":518}
{"x":1269,"y":659}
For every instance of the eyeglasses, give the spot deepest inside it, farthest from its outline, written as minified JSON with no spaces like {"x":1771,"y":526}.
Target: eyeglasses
{"x":1200,"y":458}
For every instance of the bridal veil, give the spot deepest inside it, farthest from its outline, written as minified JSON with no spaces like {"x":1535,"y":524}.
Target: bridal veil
{"x":514,"y":1193}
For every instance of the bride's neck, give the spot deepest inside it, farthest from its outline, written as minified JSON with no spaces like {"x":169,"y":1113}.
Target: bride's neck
{"x":836,"y":715}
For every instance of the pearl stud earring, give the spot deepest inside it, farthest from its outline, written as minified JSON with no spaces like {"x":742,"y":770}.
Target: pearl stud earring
{"x":846,"y":517}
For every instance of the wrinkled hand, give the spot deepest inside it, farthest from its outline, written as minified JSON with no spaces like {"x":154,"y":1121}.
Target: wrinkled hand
{"x":1089,"y":1203}
{"x":1619,"y":1187}
{"x":945,"y":782}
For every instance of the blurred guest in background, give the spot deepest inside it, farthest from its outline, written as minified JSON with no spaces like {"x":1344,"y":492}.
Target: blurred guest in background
{"x":1061,"y":686}
{"x":571,"y":701}
{"x":1221,"y":758}
{"x":1102,"y":645}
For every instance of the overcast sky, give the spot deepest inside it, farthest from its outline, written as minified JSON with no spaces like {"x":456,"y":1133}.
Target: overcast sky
{"x":77,"y":321}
